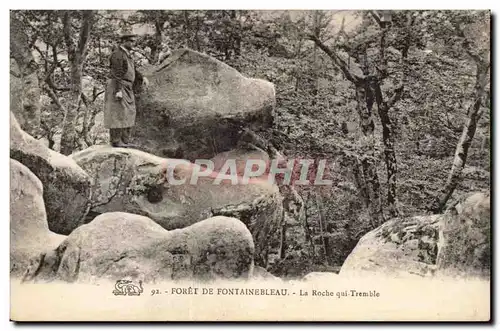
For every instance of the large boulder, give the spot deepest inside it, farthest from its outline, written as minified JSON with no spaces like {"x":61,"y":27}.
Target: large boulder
{"x":457,"y":243}
{"x":196,"y":106}
{"x":29,"y":231}
{"x":118,"y":246}
{"x":399,"y":247}
{"x":246,"y":157}
{"x":136,"y":182}
{"x":466,"y":238}
{"x":241,"y":156}
{"x":66,"y":186}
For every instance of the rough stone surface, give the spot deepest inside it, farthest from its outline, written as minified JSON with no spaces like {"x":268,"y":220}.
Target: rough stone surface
{"x":466,"y":238}
{"x":133,"y":181}
{"x":399,"y":247}
{"x":29,"y":231}
{"x":126,"y":246}
{"x":196,"y":107}
{"x":293,"y":205}
{"x":66,"y":186}
{"x":241,"y":156}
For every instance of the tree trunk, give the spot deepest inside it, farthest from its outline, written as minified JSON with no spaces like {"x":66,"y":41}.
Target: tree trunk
{"x":68,"y":138}
{"x":388,"y":141}
{"x":364,"y":105}
{"x":284,"y":227}
{"x":307,"y":230}
{"x":365,"y":99}
{"x":317,"y":29}
{"x":236,"y":35}
{"x":322,"y":227}
{"x":383,"y":107}
{"x":187,"y":29}
{"x":465,"y":140}
{"x":390,"y":159}
{"x":156,"y":45}
{"x":359,"y":178}
{"x":76,"y":57}
{"x":29,"y":118}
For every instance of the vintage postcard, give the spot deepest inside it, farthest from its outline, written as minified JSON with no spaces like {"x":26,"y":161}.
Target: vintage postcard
{"x":250,"y":165}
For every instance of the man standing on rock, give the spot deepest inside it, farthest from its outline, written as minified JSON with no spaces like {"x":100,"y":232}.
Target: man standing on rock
{"x":119,"y":100}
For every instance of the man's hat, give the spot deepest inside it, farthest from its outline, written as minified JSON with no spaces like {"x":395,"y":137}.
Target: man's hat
{"x":126,"y":32}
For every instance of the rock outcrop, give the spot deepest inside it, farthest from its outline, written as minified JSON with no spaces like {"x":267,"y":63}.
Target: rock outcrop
{"x":29,"y":231}
{"x":466,"y":238}
{"x":456,"y":243}
{"x":136,"y":182}
{"x":248,"y":157}
{"x":196,"y":106}
{"x":66,"y":192}
{"x":126,"y":246}
{"x":399,"y":247}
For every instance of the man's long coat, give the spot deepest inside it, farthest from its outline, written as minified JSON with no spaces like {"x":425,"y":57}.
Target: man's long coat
{"x":120,"y":113}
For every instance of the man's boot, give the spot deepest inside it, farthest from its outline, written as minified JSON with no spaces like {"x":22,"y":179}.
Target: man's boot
{"x":115,"y":137}
{"x":125,"y":137}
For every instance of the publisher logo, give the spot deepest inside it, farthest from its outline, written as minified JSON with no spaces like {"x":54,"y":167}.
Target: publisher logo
{"x":127,"y":287}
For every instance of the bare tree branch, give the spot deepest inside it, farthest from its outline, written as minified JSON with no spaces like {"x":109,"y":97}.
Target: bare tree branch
{"x":50,"y":82}
{"x":54,"y":97}
{"x":340,"y":63}
{"x":398,"y":91}
{"x":88,"y":21}
{"x":39,"y":51}
{"x":15,"y":74}
{"x":70,"y":46}
{"x":377,"y":19}
{"x":34,"y":39}
{"x":96,"y":95}
{"x":397,"y":94}
{"x":143,"y":53}
{"x":54,"y":57}
{"x":465,"y":42}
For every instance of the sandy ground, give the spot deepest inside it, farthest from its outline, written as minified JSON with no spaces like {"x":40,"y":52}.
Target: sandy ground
{"x":330,"y":298}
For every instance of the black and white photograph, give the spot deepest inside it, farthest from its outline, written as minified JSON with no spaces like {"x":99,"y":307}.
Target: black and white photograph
{"x":250,"y":165}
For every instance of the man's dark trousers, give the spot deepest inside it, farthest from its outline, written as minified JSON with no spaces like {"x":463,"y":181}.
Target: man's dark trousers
{"x":119,"y":136}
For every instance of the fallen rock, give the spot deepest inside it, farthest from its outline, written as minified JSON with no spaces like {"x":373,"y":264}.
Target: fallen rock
{"x":66,"y":192}
{"x":126,"y":246}
{"x":466,"y":238}
{"x":196,"y":107}
{"x":399,"y":247}
{"x":29,"y":231}
{"x":136,"y":182}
